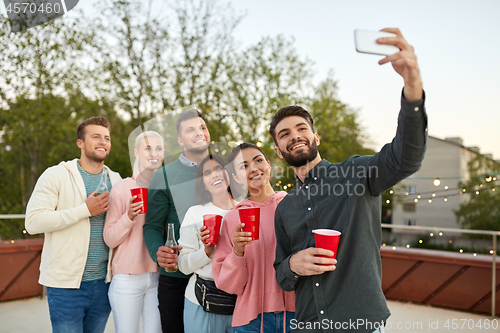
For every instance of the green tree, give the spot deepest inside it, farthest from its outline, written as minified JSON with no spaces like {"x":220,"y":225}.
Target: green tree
{"x":132,"y":48}
{"x":337,"y":124}
{"x":38,"y":66}
{"x":41,"y":83}
{"x":263,"y":78}
{"x":482,"y":210}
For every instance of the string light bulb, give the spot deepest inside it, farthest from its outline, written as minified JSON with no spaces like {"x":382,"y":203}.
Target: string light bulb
{"x":391,"y":192}
{"x":430,"y":200}
{"x":445,"y":199}
{"x":437,"y":182}
{"x":416,"y":200}
{"x":446,"y":187}
{"x":488,"y":178}
{"x":433,"y":195}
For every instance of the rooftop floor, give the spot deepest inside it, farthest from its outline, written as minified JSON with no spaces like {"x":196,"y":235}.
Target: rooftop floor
{"x":32,"y":316}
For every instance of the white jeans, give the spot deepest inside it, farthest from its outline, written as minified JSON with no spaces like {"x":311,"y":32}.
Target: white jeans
{"x":130,"y":297}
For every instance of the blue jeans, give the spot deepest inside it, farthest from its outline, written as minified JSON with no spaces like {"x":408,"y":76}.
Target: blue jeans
{"x":273,"y":323}
{"x":82,"y":310}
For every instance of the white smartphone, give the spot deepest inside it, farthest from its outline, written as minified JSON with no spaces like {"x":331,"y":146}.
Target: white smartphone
{"x":366,"y":42}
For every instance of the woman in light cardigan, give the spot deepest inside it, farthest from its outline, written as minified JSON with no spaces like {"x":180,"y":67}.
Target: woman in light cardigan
{"x":133,"y":289}
{"x":214,"y":196}
{"x":245,"y":267}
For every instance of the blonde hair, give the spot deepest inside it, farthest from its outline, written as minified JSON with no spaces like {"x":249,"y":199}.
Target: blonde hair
{"x":138,"y":140}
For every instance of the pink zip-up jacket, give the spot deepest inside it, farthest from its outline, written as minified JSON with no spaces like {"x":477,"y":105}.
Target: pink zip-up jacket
{"x":124,"y":235}
{"x":251,"y":277}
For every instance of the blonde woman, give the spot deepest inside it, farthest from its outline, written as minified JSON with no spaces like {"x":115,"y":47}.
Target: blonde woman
{"x":133,"y":289}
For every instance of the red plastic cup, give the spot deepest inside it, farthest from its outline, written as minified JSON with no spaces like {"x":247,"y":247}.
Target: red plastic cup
{"x":251,"y":218}
{"x":213,"y":223}
{"x":327,"y":239}
{"x":142,"y":196}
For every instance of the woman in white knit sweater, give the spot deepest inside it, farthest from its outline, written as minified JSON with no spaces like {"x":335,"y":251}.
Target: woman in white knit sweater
{"x":214,"y":196}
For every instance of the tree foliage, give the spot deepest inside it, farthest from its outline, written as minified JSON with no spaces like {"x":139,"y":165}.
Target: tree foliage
{"x":481,"y":211}
{"x":337,"y":124}
{"x":132,"y":52}
{"x":135,"y":62}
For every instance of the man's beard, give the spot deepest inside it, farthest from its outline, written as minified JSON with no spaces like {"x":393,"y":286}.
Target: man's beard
{"x":94,"y":157}
{"x":303,"y":157}
{"x":198,"y":150}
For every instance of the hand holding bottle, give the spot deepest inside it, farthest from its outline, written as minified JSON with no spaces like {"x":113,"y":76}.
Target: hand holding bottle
{"x":167,"y":257}
{"x":168,"y":253}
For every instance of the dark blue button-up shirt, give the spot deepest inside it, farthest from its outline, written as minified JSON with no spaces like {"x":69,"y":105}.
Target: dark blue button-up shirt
{"x":346,"y":197}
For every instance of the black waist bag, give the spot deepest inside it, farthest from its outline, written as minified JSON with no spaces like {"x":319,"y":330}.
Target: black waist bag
{"x":212,"y":299}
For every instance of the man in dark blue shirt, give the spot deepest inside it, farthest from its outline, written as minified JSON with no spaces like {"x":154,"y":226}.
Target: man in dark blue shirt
{"x":343,"y":297}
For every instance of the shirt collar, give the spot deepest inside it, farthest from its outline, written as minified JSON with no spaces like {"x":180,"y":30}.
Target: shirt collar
{"x":315,"y":172}
{"x":184,"y":160}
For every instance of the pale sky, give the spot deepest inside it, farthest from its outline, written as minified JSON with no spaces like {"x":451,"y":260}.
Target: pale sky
{"x":457,"y":43}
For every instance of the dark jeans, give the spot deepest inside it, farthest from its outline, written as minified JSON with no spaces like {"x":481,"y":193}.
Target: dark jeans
{"x":85,"y":309}
{"x":171,"y":303}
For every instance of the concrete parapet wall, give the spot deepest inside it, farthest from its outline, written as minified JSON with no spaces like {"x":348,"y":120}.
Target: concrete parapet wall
{"x":19,"y":268}
{"x":440,"y":278}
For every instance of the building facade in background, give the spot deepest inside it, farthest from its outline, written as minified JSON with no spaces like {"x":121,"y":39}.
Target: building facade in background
{"x":422,"y":200}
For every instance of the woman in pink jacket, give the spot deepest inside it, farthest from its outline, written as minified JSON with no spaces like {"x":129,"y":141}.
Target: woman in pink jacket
{"x":245,"y":267}
{"x":133,"y":289}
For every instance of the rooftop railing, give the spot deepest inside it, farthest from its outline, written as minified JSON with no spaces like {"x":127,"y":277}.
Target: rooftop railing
{"x":494,"y":235}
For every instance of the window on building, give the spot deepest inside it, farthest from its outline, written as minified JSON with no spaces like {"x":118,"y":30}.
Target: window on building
{"x":412,"y":189}
{"x":409,"y":222}
{"x":410,"y":207}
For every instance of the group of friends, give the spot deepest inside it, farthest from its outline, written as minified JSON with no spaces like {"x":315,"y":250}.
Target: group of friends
{"x":280,"y":282}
